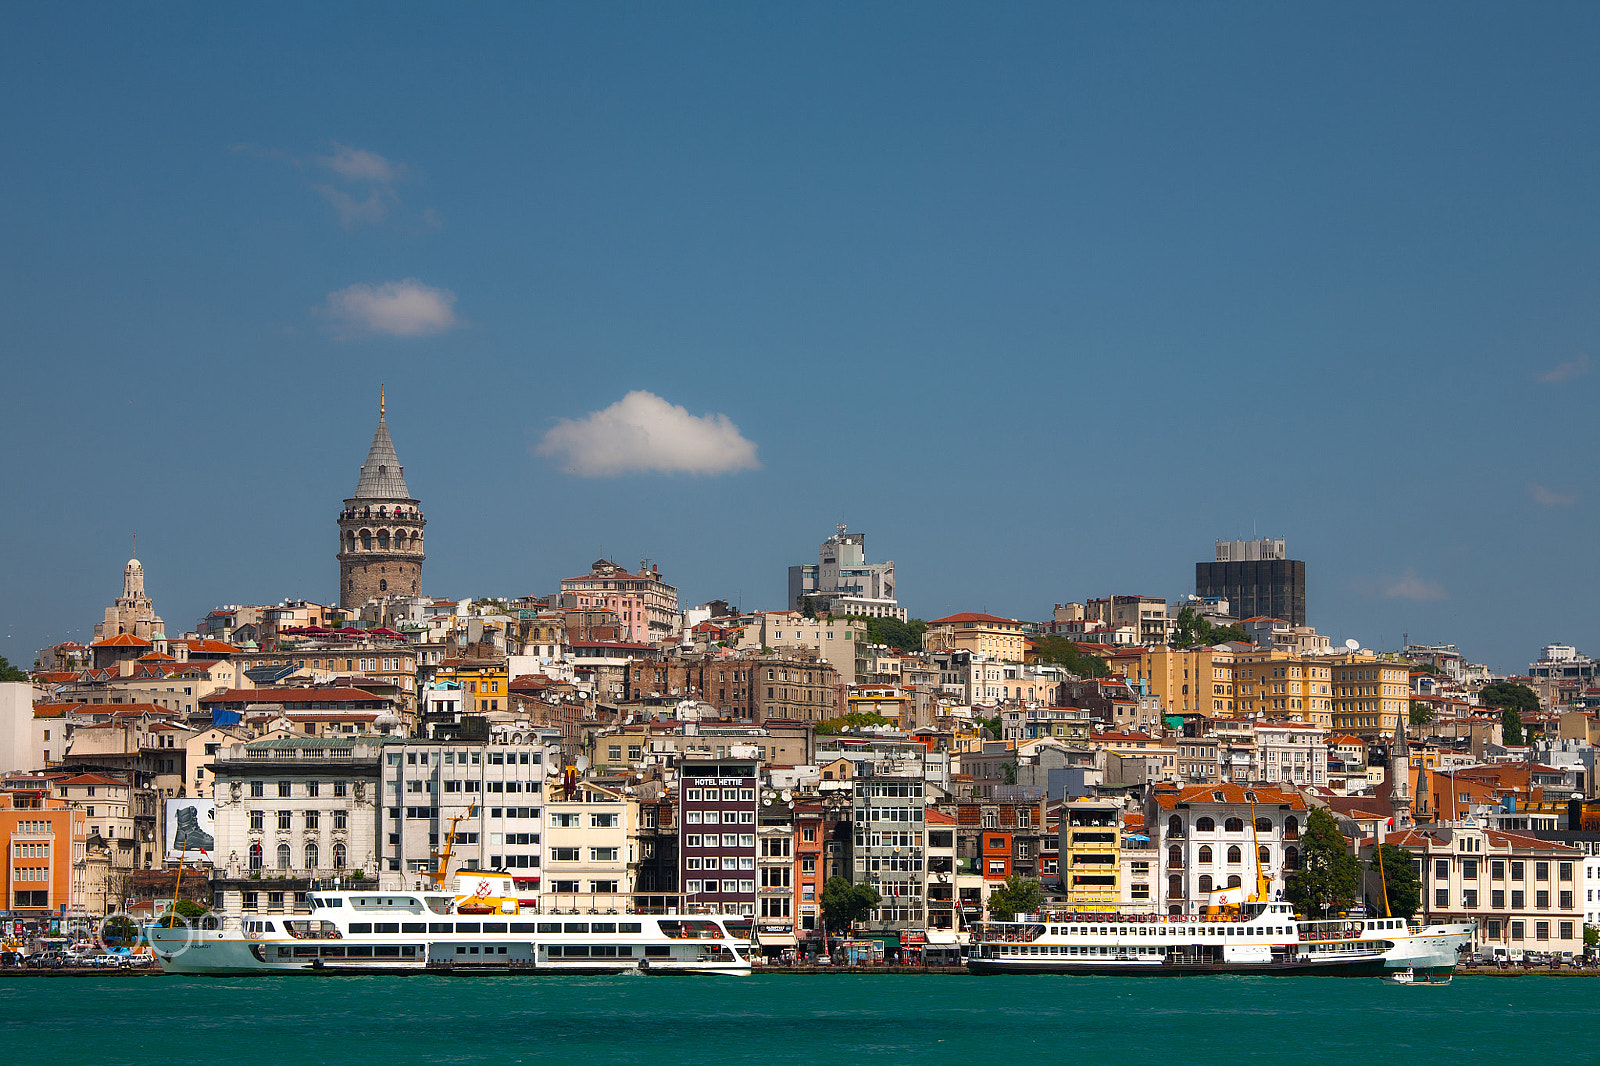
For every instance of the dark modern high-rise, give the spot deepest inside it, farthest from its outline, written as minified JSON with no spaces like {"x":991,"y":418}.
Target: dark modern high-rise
{"x":1256,"y":580}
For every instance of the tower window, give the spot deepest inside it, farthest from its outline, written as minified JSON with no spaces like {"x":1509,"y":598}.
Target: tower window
{"x":383,"y":585}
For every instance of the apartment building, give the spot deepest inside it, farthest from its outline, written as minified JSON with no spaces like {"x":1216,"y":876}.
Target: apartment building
{"x":1526,"y":894}
{"x":590,"y":860}
{"x":890,"y":846}
{"x":717,"y":855}
{"x":1209,"y":841}
{"x":496,"y":790}
{"x":1371,"y":697}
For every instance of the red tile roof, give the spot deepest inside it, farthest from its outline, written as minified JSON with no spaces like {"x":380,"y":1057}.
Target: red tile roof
{"x":971,"y":616}
{"x":1264,"y":794}
{"x":121,"y":640}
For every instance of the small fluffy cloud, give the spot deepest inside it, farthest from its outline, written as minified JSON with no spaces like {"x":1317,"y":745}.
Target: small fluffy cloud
{"x":1408,"y":586}
{"x":642,"y":433}
{"x":368,"y":191}
{"x":397,"y":308}
{"x":1549,"y":497}
{"x":1576,"y":368}
{"x":358,"y":164}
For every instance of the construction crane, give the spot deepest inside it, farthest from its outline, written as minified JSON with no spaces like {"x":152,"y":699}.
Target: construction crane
{"x":441,"y":858}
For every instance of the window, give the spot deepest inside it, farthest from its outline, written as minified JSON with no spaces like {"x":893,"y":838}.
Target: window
{"x":311,"y":856}
{"x":1205,"y":855}
{"x":313,"y":788}
{"x":564,"y":854}
{"x":603,"y":854}
{"x":340,"y":788}
{"x":255,"y":856}
{"x":1564,"y":870}
{"x":603,"y":821}
{"x":1566,"y":930}
{"x":283,"y":819}
{"x":283,"y":788}
{"x":1541,"y":898}
{"x":1497,"y":870}
{"x":1469,"y":869}
{"x":1469,"y":897}
{"x":311,"y":820}
{"x":1441,"y":897}
{"x":1541,"y":930}
{"x":1541,"y":871}
{"x":1497,"y":899}
{"x":1441,"y":869}
{"x":258,"y":788}
{"x":283,"y":855}
{"x":1516,"y":871}
{"x":257,"y":819}
{"x":1566,"y":899}
{"x":1519,"y":899}
{"x":340,"y":819}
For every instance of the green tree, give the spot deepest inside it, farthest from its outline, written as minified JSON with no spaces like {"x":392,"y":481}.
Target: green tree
{"x":1052,"y":649}
{"x":1421,"y":713}
{"x":1194,"y":631}
{"x":1329,"y":876}
{"x":1514,"y":701}
{"x":1591,"y":936}
{"x":1017,"y":896}
{"x":991,"y":724}
{"x":9,"y":672}
{"x":1400,"y":879}
{"x":844,"y":904}
{"x":902,"y":636}
{"x":849,"y":722}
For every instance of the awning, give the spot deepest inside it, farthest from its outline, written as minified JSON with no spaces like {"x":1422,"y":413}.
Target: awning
{"x":943,"y":938}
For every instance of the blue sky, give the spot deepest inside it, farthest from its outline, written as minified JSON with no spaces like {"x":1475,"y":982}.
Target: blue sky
{"x":1045,"y":299}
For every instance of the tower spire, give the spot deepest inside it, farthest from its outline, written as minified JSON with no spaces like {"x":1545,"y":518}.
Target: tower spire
{"x":380,"y":403}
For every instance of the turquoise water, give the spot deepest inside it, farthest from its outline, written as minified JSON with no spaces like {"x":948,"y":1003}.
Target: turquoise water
{"x":777,"y":1019}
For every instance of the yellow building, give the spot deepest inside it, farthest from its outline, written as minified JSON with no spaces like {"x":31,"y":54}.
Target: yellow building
{"x":1282,"y":683}
{"x":1190,"y":679}
{"x":982,"y":634}
{"x":1091,"y":853}
{"x":1371,"y":697}
{"x":485,"y":684}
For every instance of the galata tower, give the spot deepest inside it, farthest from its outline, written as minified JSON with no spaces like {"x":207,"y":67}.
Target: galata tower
{"x":380,"y":529}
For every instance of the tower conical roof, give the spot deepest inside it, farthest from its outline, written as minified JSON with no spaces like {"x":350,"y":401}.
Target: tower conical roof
{"x":382,"y":477}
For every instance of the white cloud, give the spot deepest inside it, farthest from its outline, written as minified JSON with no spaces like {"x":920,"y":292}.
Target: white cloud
{"x":358,"y":164}
{"x":1576,"y":368}
{"x":1549,"y":497}
{"x":398,"y":308}
{"x":1408,"y":586}
{"x":353,"y":211}
{"x":642,"y":433}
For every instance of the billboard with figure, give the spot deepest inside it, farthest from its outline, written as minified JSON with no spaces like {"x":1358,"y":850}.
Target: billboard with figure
{"x":191,"y":829}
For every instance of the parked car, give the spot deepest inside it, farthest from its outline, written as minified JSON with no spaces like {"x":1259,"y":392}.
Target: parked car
{"x":110,"y":961}
{"x":11,"y":958}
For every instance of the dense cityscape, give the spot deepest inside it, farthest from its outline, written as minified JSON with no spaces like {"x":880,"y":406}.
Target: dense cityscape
{"x":881,"y":786}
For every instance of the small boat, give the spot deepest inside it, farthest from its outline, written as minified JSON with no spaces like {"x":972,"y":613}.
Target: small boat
{"x":1408,"y":976}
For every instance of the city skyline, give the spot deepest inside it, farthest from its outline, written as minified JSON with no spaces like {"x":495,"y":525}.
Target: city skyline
{"x":1044,"y":301}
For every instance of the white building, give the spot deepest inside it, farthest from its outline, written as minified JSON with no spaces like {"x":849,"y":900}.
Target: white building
{"x":295,"y":807}
{"x":495,"y":790}
{"x":590,"y":864}
{"x":1207,"y":841}
{"x":1292,"y":752}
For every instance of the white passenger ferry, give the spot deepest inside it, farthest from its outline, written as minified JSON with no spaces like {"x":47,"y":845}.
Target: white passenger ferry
{"x":412,"y":932}
{"x":1255,"y":938}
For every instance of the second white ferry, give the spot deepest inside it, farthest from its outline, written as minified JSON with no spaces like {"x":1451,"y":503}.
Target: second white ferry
{"x":1253,"y":938}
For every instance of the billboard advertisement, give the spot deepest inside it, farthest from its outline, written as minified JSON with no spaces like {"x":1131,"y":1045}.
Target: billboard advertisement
{"x":191,"y":829}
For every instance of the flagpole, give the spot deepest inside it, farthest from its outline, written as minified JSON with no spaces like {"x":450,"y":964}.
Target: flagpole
{"x":1383,"y":881}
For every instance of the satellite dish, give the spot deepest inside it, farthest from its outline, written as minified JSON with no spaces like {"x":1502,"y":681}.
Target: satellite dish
{"x":787,"y":795}
{"x":1353,"y":644}
{"x":582,"y":764}
{"x":554,"y":771}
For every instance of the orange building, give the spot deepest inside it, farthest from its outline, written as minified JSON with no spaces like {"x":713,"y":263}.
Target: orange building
{"x":44,"y":839}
